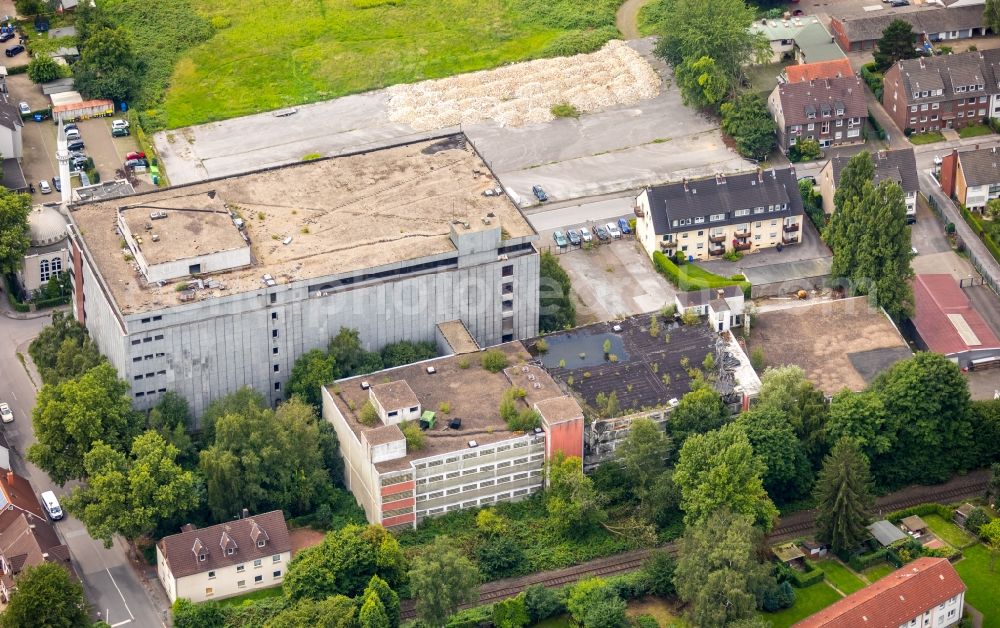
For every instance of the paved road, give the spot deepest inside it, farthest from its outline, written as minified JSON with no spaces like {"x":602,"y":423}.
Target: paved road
{"x":575,"y":214}
{"x":110,"y":583}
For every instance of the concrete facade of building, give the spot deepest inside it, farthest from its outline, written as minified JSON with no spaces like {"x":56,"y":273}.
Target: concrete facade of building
{"x":468,"y":456}
{"x":224,"y":284}
{"x":704,"y":218}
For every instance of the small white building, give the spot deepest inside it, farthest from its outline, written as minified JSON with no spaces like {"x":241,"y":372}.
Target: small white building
{"x":395,"y":402}
{"x":723,"y":307}
{"x":226,"y":559}
{"x":48,"y":254}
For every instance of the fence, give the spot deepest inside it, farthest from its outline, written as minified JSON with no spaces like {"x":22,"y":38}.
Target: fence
{"x":986,"y":277}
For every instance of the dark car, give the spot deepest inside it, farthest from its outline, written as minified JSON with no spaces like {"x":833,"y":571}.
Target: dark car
{"x":899,"y":3}
{"x":539,"y":193}
{"x":76,"y":165}
{"x":76,"y":145}
{"x":7,"y":36}
{"x":135,"y":163}
{"x":602,"y":233}
{"x":798,"y":12}
{"x":13,"y":51}
{"x":574,"y":237}
{"x":623,"y":226}
{"x":119,"y":132}
{"x":57,"y":184}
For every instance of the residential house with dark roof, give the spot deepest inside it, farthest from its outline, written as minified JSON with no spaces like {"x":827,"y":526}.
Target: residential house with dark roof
{"x":703,"y":218}
{"x":10,"y":128}
{"x":860,"y":31}
{"x":27,"y":540}
{"x":831,"y":111}
{"x":225,"y":560}
{"x":972,"y":177}
{"x":945,"y":322}
{"x":926,"y":593}
{"x":892,"y":165}
{"x":943,"y":92}
{"x":805,"y":72}
{"x":803,"y":38}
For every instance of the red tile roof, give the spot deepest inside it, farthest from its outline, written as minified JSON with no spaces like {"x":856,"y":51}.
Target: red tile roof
{"x":893,"y":600}
{"x":820,"y":70}
{"x":934,"y":298}
{"x":18,"y":492}
{"x":242,"y":535}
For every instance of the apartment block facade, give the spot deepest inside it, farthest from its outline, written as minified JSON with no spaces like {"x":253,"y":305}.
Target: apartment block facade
{"x":831,"y":111}
{"x":701,"y":219}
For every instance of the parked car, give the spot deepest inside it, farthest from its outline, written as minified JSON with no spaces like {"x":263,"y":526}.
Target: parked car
{"x":899,"y":3}
{"x":539,"y":193}
{"x":602,"y":233}
{"x":798,"y":12}
{"x":72,"y":134}
{"x":135,"y":155}
{"x":6,"y":36}
{"x":560,"y":239}
{"x":623,"y":225}
{"x":13,"y":51}
{"x":76,"y":145}
{"x":71,"y":127}
{"x":613,"y":230}
{"x":136,"y":163}
{"x":6,"y":415}
{"x":585,"y":234}
{"x":52,"y":507}
{"x":57,"y":184}
{"x":43,"y":187}
{"x":574,"y":237}
{"x":119,"y":132}
{"x":78,"y":164}
{"x":119,"y":124}
{"x":24,"y":108}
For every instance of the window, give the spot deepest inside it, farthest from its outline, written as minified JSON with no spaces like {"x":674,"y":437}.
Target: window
{"x":137,"y":359}
{"x":256,"y":564}
{"x":274,"y":316}
{"x":276,"y":558}
{"x":194,"y":269}
{"x":507,"y":271}
{"x":274,"y":297}
{"x":982,"y":99}
{"x":43,"y":268}
{"x":274,"y":333}
{"x":137,"y":377}
{"x":258,"y":579}
{"x":701,"y":245}
{"x":774,"y":223}
{"x":742,"y":212}
{"x":209,"y":591}
{"x":158,"y":337}
{"x":951,"y":613}
{"x":147,"y":340}
{"x":230,"y":551}
{"x":923,"y":107}
{"x":276,"y":368}
{"x":211,"y":575}
{"x":757,"y":237}
{"x":274,"y":351}
{"x":136,"y":341}
{"x":260,"y":543}
{"x":913,"y":120}
{"x":717,"y":217}
{"x":276,"y":574}
{"x":699,"y":220}
{"x":144,"y":321}
{"x":840,"y":111}
{"x":935,"y":105}
{"x":201,"y":557}
{"x":774,"y":234}
{"x":241,"y":583}
{"x":701,"y":233}
{"x":811,"y":126}
{"x":240,"y":568}
{"x":914,"y":107}
{"x":840,"y":123}
{"x":277,"y":385}
{"x":157,"y":318}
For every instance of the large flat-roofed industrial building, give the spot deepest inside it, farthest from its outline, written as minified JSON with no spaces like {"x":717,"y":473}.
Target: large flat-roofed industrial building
{"x":205,"y":288}
{"x":468,"y":456}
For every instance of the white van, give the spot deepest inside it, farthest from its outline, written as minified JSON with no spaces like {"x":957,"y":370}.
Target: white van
{"x":52,"y":507}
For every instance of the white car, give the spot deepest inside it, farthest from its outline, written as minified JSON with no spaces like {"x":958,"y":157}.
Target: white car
{"x":585,"y":234}
{"x":119,"y":124}
{"x":44,"y":187}
{"x":613,"y":230}
{"x":6,"y":415}
{"x":24,"y":108}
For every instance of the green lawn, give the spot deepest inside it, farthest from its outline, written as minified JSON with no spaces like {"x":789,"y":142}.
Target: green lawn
{"x":926,"y":138}
{"x":975,"y":130}
{"x":948,"y":531}
{"x":807,"y":602}
{"x":840,"y":576}
{"x":258,"y":594}
{"x":983,"y":584}
{"x":267,"y":55}
{"x":878,"y":572}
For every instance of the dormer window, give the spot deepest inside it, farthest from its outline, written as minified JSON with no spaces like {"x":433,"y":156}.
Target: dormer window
{"x":231,"y":551}
{"x":201,"y":557}
{"x":840,"y":112}
{"x":261,"y":543}
{"x":916,"y":94}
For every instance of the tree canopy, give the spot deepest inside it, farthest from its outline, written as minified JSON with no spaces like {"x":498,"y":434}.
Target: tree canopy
{"x":701,"y":82}
{"x":131,"y":495}
{"x":719,"y":469}
{"x":843,"y":497}
{"x":336,"y":611}
{"x":699,"y":411}
{"x":441,"y":579}
{"x":574,"y":506}
{"x":788,"y":475}
{"x":63,"y":350}
{"x":595,"y":604}
{"x":43,"y":69}
{"x":786,"y":390}
{"x":108,"y":66}
{"x":898,"y":41}
{"x":14,"y":238}
{"x":70,"y":417}
{"x":46,"y":595}
{"x":556,"y":310}
{"x":746,"y":119}
{"x":991,"y":15}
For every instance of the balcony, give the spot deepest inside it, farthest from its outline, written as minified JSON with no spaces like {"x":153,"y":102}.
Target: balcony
{"x":717,"y":251}
{"x":789,"y":239}
{"x":742,"y":246}
{"x":791,"y":228}
{"x":744,"y":233}
{"x":717,"y":239}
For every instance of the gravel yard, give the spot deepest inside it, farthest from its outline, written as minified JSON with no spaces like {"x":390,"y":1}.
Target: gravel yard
{"x":524,"y":93}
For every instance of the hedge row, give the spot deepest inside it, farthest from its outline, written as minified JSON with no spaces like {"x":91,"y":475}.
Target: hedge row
{"x":684,"y":281}
{"x":801,"y":579}
{"x":860,"y":562}
{"x":920,"y":510}
{"x":874,"y":79}
{"x":44,"y":303}
{"x":981,"y":231}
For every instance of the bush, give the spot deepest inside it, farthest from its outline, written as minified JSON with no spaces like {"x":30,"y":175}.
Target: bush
{"x":413,"y":434}
{"x":494,"y":360}
{"x":779,"y":597}
{"x":659,"y":569}
{"x":645,"y":621}
{"x":499,"y":557}
{"x":471,"y":618}
{"x":368,"y":415}
{"x":630,"y":586}
{"x":511,"y":613}
{"x":976,"y":519}
{"x":800,"y":579}
{"x":579,"y":42}
{"x":920,"y":510}
{"x":875,"y":81}
{"x":565,"y":110}
{"x":542,"y":603}
{"x":860,"y":562}
{"x":805,"y":150}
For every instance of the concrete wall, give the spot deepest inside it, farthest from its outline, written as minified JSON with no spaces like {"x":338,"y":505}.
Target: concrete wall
{"x":222,"y":260}
{"x":30,"y":273}
{"x":359,"y":476}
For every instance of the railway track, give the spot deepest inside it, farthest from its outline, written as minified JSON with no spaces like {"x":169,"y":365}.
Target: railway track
{"x":797,"y":525}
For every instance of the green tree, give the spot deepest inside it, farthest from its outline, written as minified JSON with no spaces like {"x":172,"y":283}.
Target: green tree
{"x":843,"y":497}
{"x":719,"y":30}
{"x":787,"y":390}
{"x":644,"y":454}
{"x":991,"y":15}
{"x":719,"y":469}
{"x":372,"y":613}
{"x":805,"y":150}
{"x":719,"y":573}
{"x":406,"y":352}
{"x":344,"y":563}
{"x":108,"y":66}
{"x":897,"y":42}
{"x":262,"y":460}
{"x":350,"y":357}
{"x":46,"y":595}
{"x":336,"y":611}
{"x":63,"y":350}
{"x":990,"y":533}
{"x":574,"y":507}
{"x":131,"y":495}
{"x":389,"y":599}
{"x":556,"y":309}
{"x":543,"y":602}
{"x":699,"y":411}
{"x":701,"y":82}
{"x":746,"y":119}
{"x":441,"y":579}
{"x":993,"y":484}
{"x":73,"y":415}
{"x":993,"y":205}
{"x":593,"y":603}
{"x":310,"y":373}
{"x":927,"y":400}
{"x":188,"y":614}
{"x":14,"y":240}
{"x":243,"y":401}
{"x":511,"y":613}
{"x":171,"y":419}
{"x":43,"y":69}
{"x":862,"y":418}
{"x":788,"y":475}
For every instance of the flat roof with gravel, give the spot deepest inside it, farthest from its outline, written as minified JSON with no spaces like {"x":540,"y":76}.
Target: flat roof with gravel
{"x":316,"y":219}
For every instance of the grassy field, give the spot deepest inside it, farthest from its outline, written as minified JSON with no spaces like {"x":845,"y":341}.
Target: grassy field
{"x":840,"y":576}
{"x":983,"y":584}
{"x":926,"y":138}
{"x":267,"y":55}
{"x":878,"y":572}
{"x":948,"y":531}
{"x":664,"y":612}
{"x":975,"y":130}
{"x":807,"y":602}
{"x":259,"y":594}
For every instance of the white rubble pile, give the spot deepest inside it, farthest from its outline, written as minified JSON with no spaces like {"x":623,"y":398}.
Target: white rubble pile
{"x":524,"y":93}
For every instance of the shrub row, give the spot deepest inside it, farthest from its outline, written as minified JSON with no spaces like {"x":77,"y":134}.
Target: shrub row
{"x":981,"y":231}
{"x":920,"y":510}
{"x":666,"y":267}
{"x":860,"y":562}
{"x":874,"y":80}
{"x":800,"y":579}
{"x":44,"y":303}
{"x":879,"y":131}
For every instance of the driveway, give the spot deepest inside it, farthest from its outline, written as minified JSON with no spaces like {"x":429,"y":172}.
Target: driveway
{"x":811,"y":248}
{"x":614,"y":280}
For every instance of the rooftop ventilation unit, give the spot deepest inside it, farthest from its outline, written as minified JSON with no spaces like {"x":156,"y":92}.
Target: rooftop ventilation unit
{"x":269,"y":280}
{"x":431,"y":370}
{"x":157,"y":215}
{"x":473,"y":443}
{"x":155,"y":237}
{"x":538,"y":430}
{"x":287,"y":241}
{"x":365,"y":385}
{"x":616,"y":327}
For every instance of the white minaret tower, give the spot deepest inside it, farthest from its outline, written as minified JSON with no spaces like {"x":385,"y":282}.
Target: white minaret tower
{"x":62,"y":156}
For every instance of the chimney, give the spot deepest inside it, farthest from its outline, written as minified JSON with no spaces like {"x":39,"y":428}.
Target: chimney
{"x":722,"y":293}
{"x":760,"y":174}
{"x":246,"y":513}
{"x":720,"y":178}
{"x":10,"y":479}
{"x":685,"y":182}
{"x":881,"y":154}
